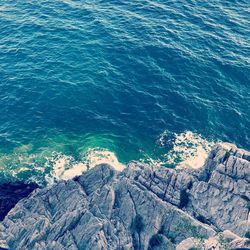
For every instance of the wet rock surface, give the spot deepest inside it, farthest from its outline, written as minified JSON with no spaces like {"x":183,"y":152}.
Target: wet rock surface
{"x":142,"y":207}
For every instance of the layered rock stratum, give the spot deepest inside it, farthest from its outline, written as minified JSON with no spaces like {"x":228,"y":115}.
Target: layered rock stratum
{"x":142,"y":207}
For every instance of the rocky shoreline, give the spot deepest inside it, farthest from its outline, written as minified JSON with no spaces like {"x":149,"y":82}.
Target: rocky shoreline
{"x":142,"y":207}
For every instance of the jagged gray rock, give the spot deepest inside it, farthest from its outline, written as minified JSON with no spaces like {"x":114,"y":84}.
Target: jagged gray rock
{"x":142,"y":207}
{"x":222,"y":197}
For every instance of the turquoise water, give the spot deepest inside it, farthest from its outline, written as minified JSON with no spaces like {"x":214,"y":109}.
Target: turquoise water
{"x":127,"y":77}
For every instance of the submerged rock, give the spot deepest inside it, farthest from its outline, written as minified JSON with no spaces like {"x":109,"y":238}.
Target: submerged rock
{"x":142,"y":207}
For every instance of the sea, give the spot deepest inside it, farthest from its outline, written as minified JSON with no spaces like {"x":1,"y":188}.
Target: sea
{"x":86,"y":82}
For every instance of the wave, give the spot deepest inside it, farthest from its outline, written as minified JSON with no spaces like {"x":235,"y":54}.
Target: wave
{"x":65,"y":167}
{"x":46,"y":170}
{"x":185,"y":150}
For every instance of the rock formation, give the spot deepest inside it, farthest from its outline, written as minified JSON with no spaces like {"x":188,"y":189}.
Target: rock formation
{"x":11,"y":193}
{"x":142,"y":207}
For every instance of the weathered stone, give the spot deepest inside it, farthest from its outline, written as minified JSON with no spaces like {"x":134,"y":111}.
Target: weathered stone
{"x":222,"y":199}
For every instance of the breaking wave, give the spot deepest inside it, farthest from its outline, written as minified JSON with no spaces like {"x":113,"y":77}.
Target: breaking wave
{"x":185,"y":150}
{"x":46,"y":170}
{"x":65,"y":167}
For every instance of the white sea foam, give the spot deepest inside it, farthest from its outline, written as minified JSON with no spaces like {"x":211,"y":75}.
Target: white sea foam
{"x":65,"y":167}
{"x":184,"y":150}
{"x":76,"y":170}
{"x":189,"y":150}
{"x":46,"y":169}
{"x":98,"y":156}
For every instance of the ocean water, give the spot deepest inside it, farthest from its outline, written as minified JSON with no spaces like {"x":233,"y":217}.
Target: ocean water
{"x":86,"y":82}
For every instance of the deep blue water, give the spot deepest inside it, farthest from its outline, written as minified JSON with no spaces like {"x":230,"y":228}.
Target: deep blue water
{"x":81,"y":74}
